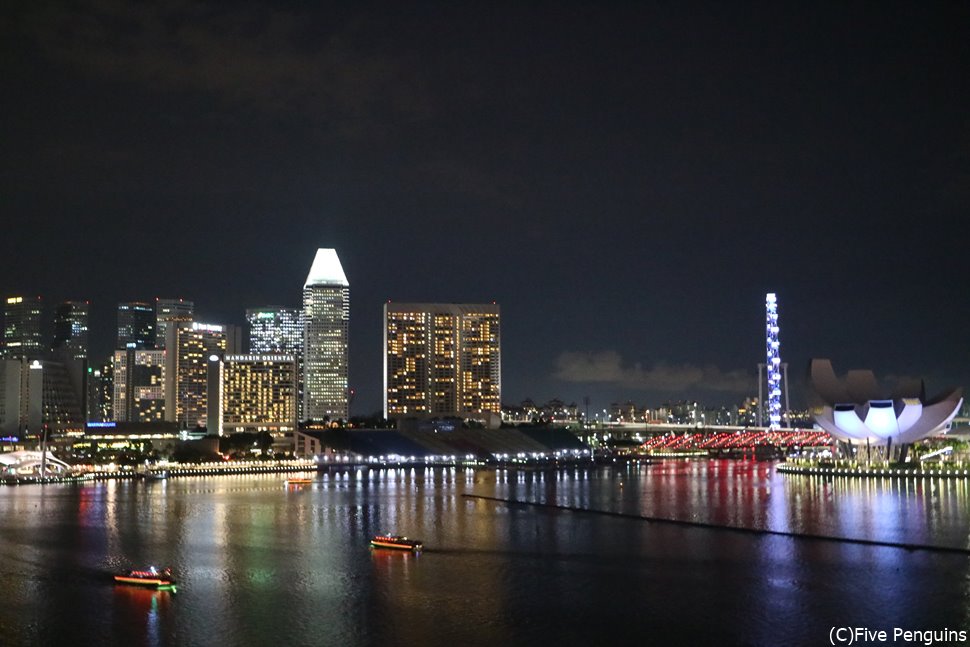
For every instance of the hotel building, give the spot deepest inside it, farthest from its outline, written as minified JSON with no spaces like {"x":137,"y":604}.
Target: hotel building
{"x":442,"y":360}
{"x":326,"y":313}
{"x":187,"y":349}
{"x":253,"y":393}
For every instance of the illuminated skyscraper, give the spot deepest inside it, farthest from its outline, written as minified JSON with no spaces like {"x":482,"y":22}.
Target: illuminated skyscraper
{"x":138,"y":385}
{"x":22,"y":328}
{"x":71,"y":329}
{"x":442,"y":359}
{"x":167,"y":311}
{"x":326,"y":313}
{"x":136,"y":326}
{"x":253,"y":393}
{"x":275,"y":330}
{"x":188,"y":348}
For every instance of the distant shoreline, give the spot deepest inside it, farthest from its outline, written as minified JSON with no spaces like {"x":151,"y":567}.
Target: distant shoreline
{"x":286,"y":467}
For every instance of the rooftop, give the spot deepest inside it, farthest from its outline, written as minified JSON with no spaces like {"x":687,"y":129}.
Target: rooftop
{"x":326,"y":270}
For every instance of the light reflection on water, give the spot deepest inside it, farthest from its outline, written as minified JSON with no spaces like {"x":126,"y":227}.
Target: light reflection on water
{"x":263,"y":563}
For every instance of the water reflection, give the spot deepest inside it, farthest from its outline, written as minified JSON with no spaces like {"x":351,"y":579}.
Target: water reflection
{"x":262,"y":563}
{"x":140,"y":615}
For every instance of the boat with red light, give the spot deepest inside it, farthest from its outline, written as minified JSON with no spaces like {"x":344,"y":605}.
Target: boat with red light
{"x":151,"y":578}
{"x":396,"y":542}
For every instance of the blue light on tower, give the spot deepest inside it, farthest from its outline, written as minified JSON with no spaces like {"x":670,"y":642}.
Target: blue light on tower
{"x":774,"y":361}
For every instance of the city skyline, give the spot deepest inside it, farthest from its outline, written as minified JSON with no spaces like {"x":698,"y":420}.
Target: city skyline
{"x":627,"y":182}
{"x":266,"y":324}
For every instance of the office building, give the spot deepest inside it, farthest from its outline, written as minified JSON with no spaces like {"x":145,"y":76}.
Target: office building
{"x":253,"y":393}
{"x":94,"y":411}
{"x":37,"y":394}
{"x":136,"y":326}
{"x":234,"y":338}
{"x":442,"y":360}
{"x":187,"y":350}
{"x":326,"y":314}
{"x":21,"y":398}
{"x":71,"y":330}
{"x":105,"y":392}
{"x":169,"y":310}
{"x":275,"y":330}
{"x":22,"y":337}
{"x":138,"y":385}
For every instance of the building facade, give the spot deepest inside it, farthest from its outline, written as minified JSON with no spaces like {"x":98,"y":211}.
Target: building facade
{"x":275,"y":330}
{"x":136,"y":326}
{"x":22,"y":328}
{"x":36,"y":395}
{"x":104,"y":396}
{"x":442,"y":360}
{"x":188,"y":348}
{"x":71,"y":329}
{"x":138,"y":385}
{"x":253,"y":393}
{"x":326,"y":317}
{"x":167,"y":311}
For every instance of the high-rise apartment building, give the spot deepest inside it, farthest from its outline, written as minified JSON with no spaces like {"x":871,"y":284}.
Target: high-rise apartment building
{"x":22,"y":336}
{"x":136,"y":326}
{"x":442,"y":359}
{"x":253,"y":393}
{"x":71,"y":329}
{"x":138,"y":385}
{"x":326,"y":314}
{"x":187,"y":351}
{"x":167,"y":311}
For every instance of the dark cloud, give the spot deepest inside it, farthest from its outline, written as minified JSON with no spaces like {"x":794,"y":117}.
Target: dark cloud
{"x":608,"y":367}
{"x":249,"y":55}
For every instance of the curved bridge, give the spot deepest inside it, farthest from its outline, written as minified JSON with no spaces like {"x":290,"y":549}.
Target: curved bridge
{"x":738,"y":440}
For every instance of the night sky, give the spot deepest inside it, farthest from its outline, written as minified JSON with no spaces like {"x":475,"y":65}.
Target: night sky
{"x":627,"y":180}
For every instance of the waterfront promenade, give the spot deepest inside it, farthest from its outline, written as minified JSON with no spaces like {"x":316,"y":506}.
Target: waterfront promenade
{"x":216,"y":468}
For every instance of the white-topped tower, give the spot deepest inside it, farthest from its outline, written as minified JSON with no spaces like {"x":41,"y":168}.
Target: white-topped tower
{"x":326,"y":314}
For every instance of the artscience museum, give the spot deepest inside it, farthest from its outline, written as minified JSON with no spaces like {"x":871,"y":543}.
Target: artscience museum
{"x":855,"y":410}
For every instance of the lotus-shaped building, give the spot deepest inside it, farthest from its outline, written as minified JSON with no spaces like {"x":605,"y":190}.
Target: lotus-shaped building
{"x":854,"y":410}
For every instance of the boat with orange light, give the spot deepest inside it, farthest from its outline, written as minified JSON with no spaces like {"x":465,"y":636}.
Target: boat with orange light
{"x":151,"y":577}
{"x":299,"y":481}
{"x":397,"y":542}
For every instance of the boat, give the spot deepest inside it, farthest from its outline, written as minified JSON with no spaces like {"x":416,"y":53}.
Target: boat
{"x":398,"y":542}
{"x":299,"y":480}
{"x":151,"y":578}
{"x":155,"y":475}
